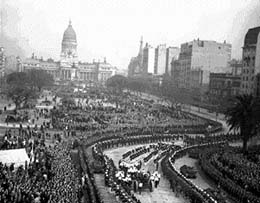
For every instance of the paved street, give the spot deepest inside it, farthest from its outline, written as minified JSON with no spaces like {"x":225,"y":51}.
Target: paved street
{"x":201,"y":180}
{"x":163,"y":194}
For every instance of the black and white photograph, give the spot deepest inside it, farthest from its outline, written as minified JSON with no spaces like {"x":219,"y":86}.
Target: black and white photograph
{"x":129,"y":101}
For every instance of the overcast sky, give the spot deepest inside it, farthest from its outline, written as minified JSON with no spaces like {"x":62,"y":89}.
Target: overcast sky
{"x":112,"y":28}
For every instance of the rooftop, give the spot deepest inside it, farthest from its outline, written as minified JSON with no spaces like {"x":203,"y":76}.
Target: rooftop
{"x":251,"y":36}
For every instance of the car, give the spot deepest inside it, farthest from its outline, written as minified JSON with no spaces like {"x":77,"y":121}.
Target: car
{"x":188,"y":171}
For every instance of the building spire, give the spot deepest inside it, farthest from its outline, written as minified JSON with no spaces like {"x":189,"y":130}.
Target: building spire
{"x":69,"y":21}
{"x":141,"y":46}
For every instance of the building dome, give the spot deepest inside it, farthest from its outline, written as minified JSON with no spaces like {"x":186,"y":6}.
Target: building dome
{"x":69,"y":34}
{"x":69,"y":54}
{"x":69,"y":42}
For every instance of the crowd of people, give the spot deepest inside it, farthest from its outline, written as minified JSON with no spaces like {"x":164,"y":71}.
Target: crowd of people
{"x":234,"y":167}
{"x":48,"y":177}
{"x":90,"y":114}
{"x":106,"y":121}
{"x":64,"y":186}
{"x":129,"y":175}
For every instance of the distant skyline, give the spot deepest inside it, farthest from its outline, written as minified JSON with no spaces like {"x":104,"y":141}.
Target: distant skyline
{"x":113,"y":28}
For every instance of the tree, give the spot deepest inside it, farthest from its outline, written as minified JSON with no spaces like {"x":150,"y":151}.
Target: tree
{"x":17,"y":79}
{"x":17,"y":89}
{"x":39,"y":78}
{"x":244,"y":115}
{"x":117,"y":83}
{"x":139,"y":84}
{"x":20,"y":94}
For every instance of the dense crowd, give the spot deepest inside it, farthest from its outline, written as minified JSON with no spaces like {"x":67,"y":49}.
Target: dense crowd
{"x":112,"y":122}
{"x":129,"y":176}
{"x":130,"y":112}
{"x":234,"y":165}
{"x":49,"y":175}
{"x":64,"y":186}
{"x":27,"y":183}
{"x":233,"y":172}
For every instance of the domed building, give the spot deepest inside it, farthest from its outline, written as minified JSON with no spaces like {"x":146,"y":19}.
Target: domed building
{"x":69,"y":56}
{"x":69,"y":68}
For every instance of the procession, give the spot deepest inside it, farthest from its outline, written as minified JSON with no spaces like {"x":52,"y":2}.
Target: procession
{"x":129,"y":102}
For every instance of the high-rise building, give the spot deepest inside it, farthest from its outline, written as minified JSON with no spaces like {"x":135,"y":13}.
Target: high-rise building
{"x":148,"y":59}
{"x":160,"y":60}
{"x":251,"y":62}
{"x":172,"y":53}
{"x":199,"y":58}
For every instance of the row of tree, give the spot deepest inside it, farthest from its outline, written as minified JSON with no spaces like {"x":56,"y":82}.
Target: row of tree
{"x":242,"y":112}
{"x":23,"y":86}
{"x":163,"y":87}
{"x":118,"y":83}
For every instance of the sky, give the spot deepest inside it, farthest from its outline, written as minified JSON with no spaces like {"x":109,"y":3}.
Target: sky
{"x":113,"y":28}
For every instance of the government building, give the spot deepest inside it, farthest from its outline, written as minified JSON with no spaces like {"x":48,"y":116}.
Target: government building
{"x":69,"y":68}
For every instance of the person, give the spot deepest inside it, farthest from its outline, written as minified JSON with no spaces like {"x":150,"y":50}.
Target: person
{"x":150,"y":185}
{"x":140,"y":186}
{"x":156,"y":181}
{"x":157,"y":166}
{"x":135,"y":186}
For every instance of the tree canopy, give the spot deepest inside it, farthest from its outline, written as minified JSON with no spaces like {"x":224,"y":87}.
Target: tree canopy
{"x":32,"y":78}
{"x":40,"y":78}
{"x":17,"y":78}
{"x":117,"y":83}
{"x":20,"y":95}
{"x":22,"y":86}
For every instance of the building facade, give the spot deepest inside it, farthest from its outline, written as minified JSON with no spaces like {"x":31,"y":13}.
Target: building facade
{"x":199,"y":58}
{"x":69,"y":67}
{"x":236,"y":67}
{"x":172,"y":54}
{"x":148,"y":59}
{"x":224,"y":85}
{"x":251,"y":62}
{"x":160,"y":60}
